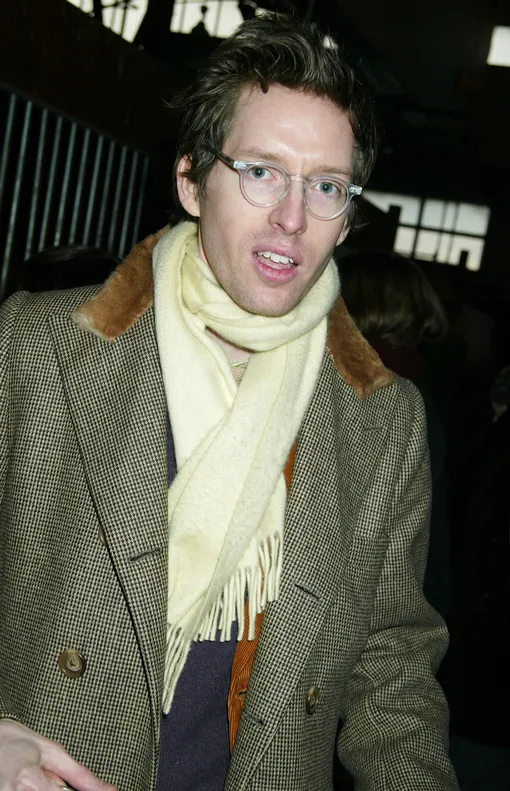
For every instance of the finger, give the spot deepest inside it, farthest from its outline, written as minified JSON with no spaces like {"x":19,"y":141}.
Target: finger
{"x":56,"y":782}
{"x":53,"y":776}
{"x":25,"y":748}
{"x":55,"y":759}
{"x":33,"y":779}
{"x":16,"y":755}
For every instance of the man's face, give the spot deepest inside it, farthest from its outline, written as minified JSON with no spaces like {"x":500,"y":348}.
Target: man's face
{"x":306,"y":135}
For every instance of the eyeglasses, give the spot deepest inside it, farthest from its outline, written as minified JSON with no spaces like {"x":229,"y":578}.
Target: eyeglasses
{"x":265,"y":184}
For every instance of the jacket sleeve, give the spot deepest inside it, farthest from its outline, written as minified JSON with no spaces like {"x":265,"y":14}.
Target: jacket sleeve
{"x":8,"y":319}
{"x":395,"y":732}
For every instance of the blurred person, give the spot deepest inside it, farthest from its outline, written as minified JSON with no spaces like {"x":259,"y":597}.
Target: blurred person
{"x":214,"y":496}
{"x":475,"y":671}
{"x":396,"y":308}
{"x":500,"y":393}
{"x":67,"y":266}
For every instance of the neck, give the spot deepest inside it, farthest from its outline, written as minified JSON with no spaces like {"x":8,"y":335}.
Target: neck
{"x":234,"y":353}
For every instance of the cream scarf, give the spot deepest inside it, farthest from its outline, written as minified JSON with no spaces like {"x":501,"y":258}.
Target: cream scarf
{"x":226,"y":505}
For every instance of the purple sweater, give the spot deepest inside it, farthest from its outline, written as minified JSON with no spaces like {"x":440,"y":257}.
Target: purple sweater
{"x":194,"y":751}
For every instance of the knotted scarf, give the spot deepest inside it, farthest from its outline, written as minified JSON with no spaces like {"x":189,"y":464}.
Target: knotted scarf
{"x":226,"y":505}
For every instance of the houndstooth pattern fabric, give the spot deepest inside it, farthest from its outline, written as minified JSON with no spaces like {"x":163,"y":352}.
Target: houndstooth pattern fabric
{"x":83,"y":429}
{"x":83,"y":566}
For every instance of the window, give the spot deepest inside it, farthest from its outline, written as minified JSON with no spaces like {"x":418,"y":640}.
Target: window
{"x":436,"y":230}
{"x":499,"y":52}
{"x":329,"y":43}
{"x":124,"y":20}
{"x":221,"y":18}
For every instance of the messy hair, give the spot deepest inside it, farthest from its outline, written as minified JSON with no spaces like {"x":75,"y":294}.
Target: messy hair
{"x":271,"y":49}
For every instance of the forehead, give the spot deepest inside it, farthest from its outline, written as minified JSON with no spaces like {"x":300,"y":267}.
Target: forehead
{"x":300,"y":129}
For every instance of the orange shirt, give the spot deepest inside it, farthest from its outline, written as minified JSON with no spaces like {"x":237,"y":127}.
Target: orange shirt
{"x":245,"y":651}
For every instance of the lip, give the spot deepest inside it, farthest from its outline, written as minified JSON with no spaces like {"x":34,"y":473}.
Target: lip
{"x":271,"y":275}
{"x":279,"y":251}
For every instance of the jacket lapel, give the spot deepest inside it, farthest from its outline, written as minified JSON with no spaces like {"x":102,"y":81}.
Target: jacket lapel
{"x":326,"y":487}
{"x":116,"y":400}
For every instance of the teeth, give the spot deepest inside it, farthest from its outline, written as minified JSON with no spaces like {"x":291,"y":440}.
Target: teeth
{"x":275,"y":258}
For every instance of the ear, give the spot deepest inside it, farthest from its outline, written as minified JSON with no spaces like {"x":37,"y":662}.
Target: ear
{"x":343,"y":233}
{"x":187,"y":189}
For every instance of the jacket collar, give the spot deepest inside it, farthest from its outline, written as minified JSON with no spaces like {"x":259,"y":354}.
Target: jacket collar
{"x":128,"y":294}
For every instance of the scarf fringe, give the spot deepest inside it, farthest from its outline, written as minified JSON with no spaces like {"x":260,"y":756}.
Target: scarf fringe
{"x":261,"y":585}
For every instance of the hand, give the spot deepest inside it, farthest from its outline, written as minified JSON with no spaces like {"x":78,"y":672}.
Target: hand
{"x":29,"y":762}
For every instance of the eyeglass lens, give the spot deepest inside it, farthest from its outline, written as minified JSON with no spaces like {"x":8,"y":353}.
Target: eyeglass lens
{"x":264,"y":185}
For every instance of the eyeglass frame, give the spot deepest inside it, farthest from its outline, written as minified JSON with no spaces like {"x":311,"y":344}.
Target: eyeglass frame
{"x":242,"y":166}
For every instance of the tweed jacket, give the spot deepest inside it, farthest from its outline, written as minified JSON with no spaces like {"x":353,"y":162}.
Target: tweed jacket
{"x":83,"y":537}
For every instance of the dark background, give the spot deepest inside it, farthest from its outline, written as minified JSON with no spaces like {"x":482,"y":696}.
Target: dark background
{"x":445,"y":113}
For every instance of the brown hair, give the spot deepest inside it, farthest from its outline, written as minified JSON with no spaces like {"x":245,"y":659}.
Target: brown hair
{"x":390,"y":297}
{"x":271,"y":49}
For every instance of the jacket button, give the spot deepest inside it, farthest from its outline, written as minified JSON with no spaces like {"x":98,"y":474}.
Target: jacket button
{"x":72,"y":663}
{"x":312,"y":699}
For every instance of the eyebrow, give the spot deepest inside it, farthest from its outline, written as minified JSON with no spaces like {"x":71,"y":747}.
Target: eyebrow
{"x":268,"y":156}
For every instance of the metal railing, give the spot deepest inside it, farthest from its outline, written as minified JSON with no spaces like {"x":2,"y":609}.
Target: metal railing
{"x":62,"y":183}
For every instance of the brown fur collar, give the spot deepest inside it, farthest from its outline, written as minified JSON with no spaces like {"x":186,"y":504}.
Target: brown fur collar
{"x":128,"y":293}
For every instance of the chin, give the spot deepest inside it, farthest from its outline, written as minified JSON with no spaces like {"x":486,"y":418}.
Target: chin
{"x":274,"y":312}
{"x":268,"y":309}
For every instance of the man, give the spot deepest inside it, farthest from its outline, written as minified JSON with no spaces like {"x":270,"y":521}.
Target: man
{"x":152,"y":559}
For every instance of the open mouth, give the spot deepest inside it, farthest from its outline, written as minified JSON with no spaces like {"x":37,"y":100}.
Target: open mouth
{"x":275,"y":267}
{"x":275,"y":260}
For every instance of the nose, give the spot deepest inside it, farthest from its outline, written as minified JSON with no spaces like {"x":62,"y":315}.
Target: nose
{"x":289,"y":215}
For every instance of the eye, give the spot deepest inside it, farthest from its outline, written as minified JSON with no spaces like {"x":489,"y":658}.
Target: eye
{"x":259,"y":173}
{"x":328,"y":188}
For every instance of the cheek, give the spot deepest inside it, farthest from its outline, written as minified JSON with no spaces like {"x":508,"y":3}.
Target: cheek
{"x":219,"y":222}
{"x":210,"y":224}
{"x":328,"y":239}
